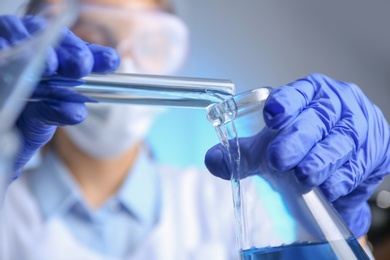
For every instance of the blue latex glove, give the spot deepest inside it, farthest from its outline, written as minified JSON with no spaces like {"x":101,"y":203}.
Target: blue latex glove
{"x":70,"y":58}
{"x":331,"y":135}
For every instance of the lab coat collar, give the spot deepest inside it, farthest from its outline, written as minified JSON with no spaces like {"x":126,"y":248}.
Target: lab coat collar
{"x":57,"y":192}
{"x":53,"y":186}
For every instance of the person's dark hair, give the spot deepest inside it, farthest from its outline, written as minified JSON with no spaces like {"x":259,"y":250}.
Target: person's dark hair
{"x":34,"y":6}
{"x":166,"y":6}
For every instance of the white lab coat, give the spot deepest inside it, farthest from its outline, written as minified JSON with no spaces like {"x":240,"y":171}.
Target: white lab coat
{"x":196,"y":223}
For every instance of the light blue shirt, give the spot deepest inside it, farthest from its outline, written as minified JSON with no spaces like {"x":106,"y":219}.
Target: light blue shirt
{"x":119,"y":225}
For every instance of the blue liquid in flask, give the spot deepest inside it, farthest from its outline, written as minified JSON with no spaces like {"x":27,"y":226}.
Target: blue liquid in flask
{"x":317,"y":251}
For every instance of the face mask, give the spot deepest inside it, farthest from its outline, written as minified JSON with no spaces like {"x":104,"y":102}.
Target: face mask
{"x":127,"y":66}
{"x":111,"y":129}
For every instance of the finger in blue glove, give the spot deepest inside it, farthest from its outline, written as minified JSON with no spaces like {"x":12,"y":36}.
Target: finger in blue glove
{"x":35,"y":24}
{"x":332,"y":135}
{"x":12,"y":29}
{"x":39,"y":121}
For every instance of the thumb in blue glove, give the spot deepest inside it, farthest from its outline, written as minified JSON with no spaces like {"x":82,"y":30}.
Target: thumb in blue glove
{"x":332,"y":136}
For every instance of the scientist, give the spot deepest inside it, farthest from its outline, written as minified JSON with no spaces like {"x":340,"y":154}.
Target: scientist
{"x":115,"y":202}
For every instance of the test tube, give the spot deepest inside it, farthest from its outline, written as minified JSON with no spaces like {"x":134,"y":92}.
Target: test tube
{"x":158,"y":90}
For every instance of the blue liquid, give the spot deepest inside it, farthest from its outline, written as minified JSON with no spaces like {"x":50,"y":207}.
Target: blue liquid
{"x":317,"y":251}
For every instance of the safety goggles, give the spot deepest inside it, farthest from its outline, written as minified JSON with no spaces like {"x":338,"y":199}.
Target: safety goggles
{"x":156,"y":41}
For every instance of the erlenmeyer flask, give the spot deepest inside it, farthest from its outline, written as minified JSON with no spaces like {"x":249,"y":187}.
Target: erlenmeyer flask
{"x":276,"y":218}
{"x":21,"y":66}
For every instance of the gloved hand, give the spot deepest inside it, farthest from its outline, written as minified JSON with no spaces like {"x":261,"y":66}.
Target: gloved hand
{"x":71,"y":58}
{"x":332,"y":136}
